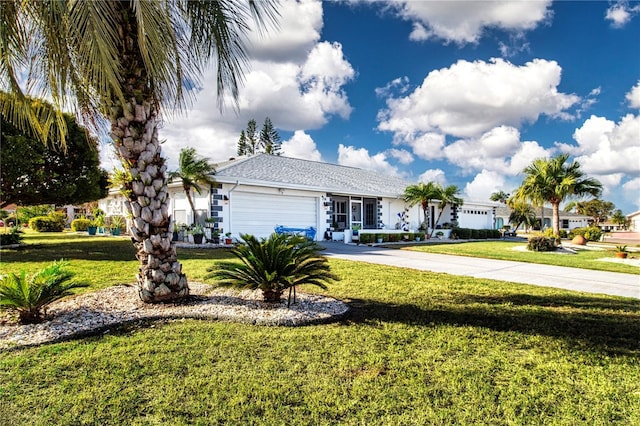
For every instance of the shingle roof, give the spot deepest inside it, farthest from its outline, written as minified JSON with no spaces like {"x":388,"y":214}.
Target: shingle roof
{"x":272,"y":170}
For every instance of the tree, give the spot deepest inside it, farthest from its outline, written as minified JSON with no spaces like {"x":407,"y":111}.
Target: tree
{"x":269,"y":138}
{"x":553,"y":181}
{"x":447,"y":195}
{"x":598,"y":209}
{"x":267,"y":141}
{"x":242,"y":144}
{"x":193,"y":170}
{"x":128,"y":61}
{"x":249,"y":143}
{"x":33,"y":173}
{"x":422,"y":193}
{"x":522,"y":212}
{"x":500,"y":196}
{"x":619,"y":218}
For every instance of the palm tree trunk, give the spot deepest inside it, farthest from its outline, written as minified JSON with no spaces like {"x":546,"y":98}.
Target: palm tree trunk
{"x":187,"y":191}
{"x":135,"y":134}
{"x":556,"y":218}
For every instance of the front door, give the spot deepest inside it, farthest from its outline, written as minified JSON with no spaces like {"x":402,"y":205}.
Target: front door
{"x":369,"y":220}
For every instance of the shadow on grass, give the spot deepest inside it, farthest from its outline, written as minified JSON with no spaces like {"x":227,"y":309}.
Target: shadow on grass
{"x":610,"y":326}
{"x":103,"y":248}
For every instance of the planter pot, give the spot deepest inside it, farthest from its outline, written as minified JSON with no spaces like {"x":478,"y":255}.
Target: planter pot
{"x":379,"y":240}
{"x":115,"y":231}
{"x":417,"y":238}
{"x":621,"y":255}
{"x":92,"y":230}
{"x":228,"y":241}
{"x":175,"y":236}
{"x":197,"y":238}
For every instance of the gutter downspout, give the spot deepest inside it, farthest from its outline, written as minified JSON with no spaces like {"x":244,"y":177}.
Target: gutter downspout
{"x":230,"y":191}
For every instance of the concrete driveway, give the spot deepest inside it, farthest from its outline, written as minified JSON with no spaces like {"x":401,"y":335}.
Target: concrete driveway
{"x":589,"y":281}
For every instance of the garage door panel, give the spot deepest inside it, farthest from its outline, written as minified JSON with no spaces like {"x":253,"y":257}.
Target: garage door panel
{"x":258,"y":214}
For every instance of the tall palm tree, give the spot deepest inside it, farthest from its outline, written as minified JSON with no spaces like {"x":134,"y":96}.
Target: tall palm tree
{"x":422,"y":193}
{"x":446,"y":195}
{"x":194,"y":171}
{"x":553,"y":181}
{"x":127,"y":61}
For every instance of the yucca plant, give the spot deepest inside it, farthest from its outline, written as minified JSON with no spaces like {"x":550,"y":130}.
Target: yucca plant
{"x":273,"y":265}
{"x":30,"y":296}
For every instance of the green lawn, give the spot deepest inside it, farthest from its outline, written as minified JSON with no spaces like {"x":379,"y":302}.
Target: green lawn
{"x":418,"y":348}
{"x":503,"y":250}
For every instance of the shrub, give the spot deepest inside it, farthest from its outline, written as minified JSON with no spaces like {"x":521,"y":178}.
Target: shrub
{"x":273,"y":265}
{"x":482,"y":234}
{"x":30,"y":296}
{"x":367,"y":238}
{"x":462,"y":233}
{"x":54,"y":222}
{"x":80,"y":224}
{"x":13,"y":237}
{"x":540,"y":243}
{"x":591,"y":233}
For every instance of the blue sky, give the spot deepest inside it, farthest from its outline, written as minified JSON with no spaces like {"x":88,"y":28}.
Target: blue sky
{"x":455,"y":92}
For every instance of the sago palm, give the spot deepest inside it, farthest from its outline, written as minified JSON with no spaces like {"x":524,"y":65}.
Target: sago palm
{"x":422,"y":193}
{"x":29,"y":296}
{"x":273,"y":265}
{"x":553,"y":181}
{"x":193,"y":171}
{"x":127,"y":61}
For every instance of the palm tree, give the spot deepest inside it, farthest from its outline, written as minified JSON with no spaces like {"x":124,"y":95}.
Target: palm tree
{"x":522,"y":212}
{"x":553,"y":181}
{"x":500,"y":196}
{"x":127,"y":61}
{"x":448,"y":195}
{"x":422,"y":193}
{"x":193,"y":171}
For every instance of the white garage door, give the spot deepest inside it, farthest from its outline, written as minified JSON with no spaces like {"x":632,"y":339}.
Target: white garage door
{"x":258,"y":214}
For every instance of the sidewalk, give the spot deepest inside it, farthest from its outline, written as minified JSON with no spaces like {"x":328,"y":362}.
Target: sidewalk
{"x":611,"y":283}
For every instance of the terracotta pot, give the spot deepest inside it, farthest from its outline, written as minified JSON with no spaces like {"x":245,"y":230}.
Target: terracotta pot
{"x":579,"y":240}
{"x":621,"y":255}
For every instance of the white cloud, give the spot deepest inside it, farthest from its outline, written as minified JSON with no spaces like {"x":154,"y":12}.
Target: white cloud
{"x":301,"y":145}
{"x":621,"y":13}
{"x":483,"y":185}
{"x":634,"y":96}
{"x":360,"y":157}
{"x":294,"y":79}
{"x":403,"y":156}
{"x":631,"y":191}
{"x":606,"y":147}
{"x":398,"y":85}
{"x":470,"y":98}
{"x":464,"y":21}
{"x":526,"y":153}
{"x":433,"y":175}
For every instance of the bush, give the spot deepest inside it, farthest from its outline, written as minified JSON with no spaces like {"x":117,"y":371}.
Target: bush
{"x":54,"y":222}
{"x":540,"y":243}
{"x":591,"y":233}
{"x":367,"y":238}
{"x":13,"y":237}
{"x":30,"y":296}
{"x":273,"y":265}
{"x":462,"y":233}
{"x":80,"y":224}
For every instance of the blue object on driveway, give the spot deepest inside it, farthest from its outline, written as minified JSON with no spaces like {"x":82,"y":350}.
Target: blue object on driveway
{"x":309,"y":232}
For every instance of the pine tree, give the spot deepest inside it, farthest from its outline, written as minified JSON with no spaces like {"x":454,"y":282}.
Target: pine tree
{"x":269,"y":138}
{"x":242,"y":144}
{"x":252,"y":138}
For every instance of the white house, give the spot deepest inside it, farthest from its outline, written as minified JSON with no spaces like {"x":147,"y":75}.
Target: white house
{"x":257,"y":193}
{"x":568,"y":220}
{"x":634,"y":221}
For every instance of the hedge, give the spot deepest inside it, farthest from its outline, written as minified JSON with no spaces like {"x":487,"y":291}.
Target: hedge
{"x":52,"y":223}
{"x":80,"y":224}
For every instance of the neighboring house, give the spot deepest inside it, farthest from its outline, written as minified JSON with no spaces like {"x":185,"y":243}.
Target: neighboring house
{"x":634,"y":221}
{"x":568,"y":221}
{"x":255,"y":194}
